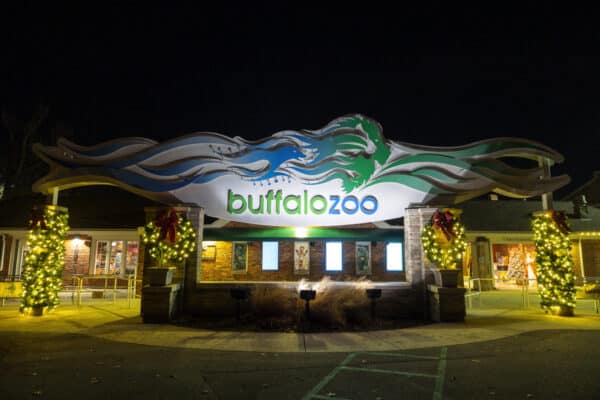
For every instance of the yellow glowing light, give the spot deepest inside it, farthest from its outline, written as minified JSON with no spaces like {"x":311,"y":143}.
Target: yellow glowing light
{"x":164,"y":251}
{"x":43,"y":267}
{"x":441,"y":252}
{"x":556,"y":281}
{"x":300,"y":232}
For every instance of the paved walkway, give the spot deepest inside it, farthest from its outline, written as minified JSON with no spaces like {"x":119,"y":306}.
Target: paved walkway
{"x":498,"y":316}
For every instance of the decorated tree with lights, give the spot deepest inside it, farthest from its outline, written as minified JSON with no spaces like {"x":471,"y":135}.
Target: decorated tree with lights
{"x":516,"y":266}
{"x":169,"y":238}
{"x":556,"y":281}
{"x":42,"y":272}
{"x":444,"y":240}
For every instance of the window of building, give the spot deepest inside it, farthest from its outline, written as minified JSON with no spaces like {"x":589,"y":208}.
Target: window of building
{"x":131,"y":257}
{"x":101,"y":252}
{"x":333,"y":256}
{"x":514,"y":261}
{"x":116,"y":257}
{"x":110,"y":260}
{"x":270,"y":256}
{"x":393,"y":257}
{"x":22,"y":253}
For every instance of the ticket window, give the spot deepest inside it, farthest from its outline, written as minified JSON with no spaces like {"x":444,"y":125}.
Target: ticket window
{"x":115,"y":257}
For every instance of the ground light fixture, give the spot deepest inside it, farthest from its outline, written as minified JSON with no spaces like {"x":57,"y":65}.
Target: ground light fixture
{"x":239,"y":294}
{"x":307,"y":295}
{"x":373,"y":294}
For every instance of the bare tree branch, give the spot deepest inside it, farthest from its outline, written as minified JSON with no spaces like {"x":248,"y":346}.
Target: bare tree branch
{"x":30,"y":129}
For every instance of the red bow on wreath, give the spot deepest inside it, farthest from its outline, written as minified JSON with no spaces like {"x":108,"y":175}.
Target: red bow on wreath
{"x":445,"y":222}
{"x":37,"y":219}
{"x":560,"y":219}
{"x":167,"y":223}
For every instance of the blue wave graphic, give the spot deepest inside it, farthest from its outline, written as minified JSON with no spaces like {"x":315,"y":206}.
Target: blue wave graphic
{"x":350,"y":149}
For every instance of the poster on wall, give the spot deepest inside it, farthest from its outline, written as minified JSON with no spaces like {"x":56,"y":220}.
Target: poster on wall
{"x":301,"y":258}
{"x":363,"y":258}
{"x":209,"y":252}
{"x":240,"y":257}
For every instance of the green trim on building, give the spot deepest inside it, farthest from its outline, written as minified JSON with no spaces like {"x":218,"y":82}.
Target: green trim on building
{"x":372,"y":235}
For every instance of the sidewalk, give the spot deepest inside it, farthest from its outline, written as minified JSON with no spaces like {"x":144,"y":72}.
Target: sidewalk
{"x":500,"y":315}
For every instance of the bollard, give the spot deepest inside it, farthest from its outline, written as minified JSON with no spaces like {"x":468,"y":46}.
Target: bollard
{"x":373,"y":294}
{"x":238,"y":294}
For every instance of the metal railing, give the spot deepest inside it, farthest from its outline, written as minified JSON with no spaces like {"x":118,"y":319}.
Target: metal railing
{"x":471,"y":293}
{"x":10,"y":278}
{"x":523,"y":283}
{"x":596,"y":292}
{"x":475,"y":286}
{"x":83,"y":284}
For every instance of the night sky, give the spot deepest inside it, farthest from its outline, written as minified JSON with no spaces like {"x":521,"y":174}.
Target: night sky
{"x":431,"y":75}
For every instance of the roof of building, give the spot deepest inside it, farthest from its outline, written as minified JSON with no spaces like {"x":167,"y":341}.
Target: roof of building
{"x":515,"y":215}
{"x":590,"y":189}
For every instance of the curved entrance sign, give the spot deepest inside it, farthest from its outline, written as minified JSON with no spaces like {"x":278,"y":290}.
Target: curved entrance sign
{"x":345,"y":173}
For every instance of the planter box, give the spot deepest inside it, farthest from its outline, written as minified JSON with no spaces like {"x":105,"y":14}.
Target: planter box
{"x":562,"y":311}
{"x":160,"y":276}
{"x":159,"y":303}
{"x":446,"y":277}
{"x":446,"y":304}
{"x":37,"y":311}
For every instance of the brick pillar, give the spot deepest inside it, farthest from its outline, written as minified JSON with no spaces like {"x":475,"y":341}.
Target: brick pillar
{"x":194,"y":262}
{"x":418,"y":272}
{"x":186,"y":275}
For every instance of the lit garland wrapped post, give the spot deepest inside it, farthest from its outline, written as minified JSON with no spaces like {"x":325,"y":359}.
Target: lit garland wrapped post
{"x":42,"y":272}
{"x":169,"y":238}
{"x":555,"y":277}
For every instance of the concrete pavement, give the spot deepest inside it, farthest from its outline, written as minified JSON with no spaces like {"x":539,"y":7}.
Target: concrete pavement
{"x":499,"y":315}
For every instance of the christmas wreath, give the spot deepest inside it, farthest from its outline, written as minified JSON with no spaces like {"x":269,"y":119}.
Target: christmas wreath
{"x":169,"y":238}
{"x":443,"y":239}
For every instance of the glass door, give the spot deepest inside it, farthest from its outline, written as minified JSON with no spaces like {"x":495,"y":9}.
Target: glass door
{"x":101,"y":255}
{"x":131,"y":257}
{"x":115,"y":258}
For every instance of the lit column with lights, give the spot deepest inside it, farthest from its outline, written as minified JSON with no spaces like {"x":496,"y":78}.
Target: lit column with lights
{"x":42,"y":273}
{"x":556,"y":280}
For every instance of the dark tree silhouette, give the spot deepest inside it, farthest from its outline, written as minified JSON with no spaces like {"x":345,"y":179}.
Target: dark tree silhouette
{"x":17,"y":162}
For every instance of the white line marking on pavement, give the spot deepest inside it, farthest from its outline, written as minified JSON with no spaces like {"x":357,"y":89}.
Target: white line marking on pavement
{"x":329,"y":377}
{"x":439,"y":378}
{"x":399,"y":355}
{"x":439,"y":382}
{"x":389,"y":371}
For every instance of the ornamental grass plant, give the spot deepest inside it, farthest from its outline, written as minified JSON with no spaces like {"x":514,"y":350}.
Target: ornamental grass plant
{"x":340,"y":306}
{"x":274,"y":307}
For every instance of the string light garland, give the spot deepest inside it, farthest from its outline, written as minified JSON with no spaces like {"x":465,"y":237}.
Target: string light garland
{"x":169,"y":238}
{"x":555,"y":277}
{"x":42,"y":272}
{"x":443,"y":239}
